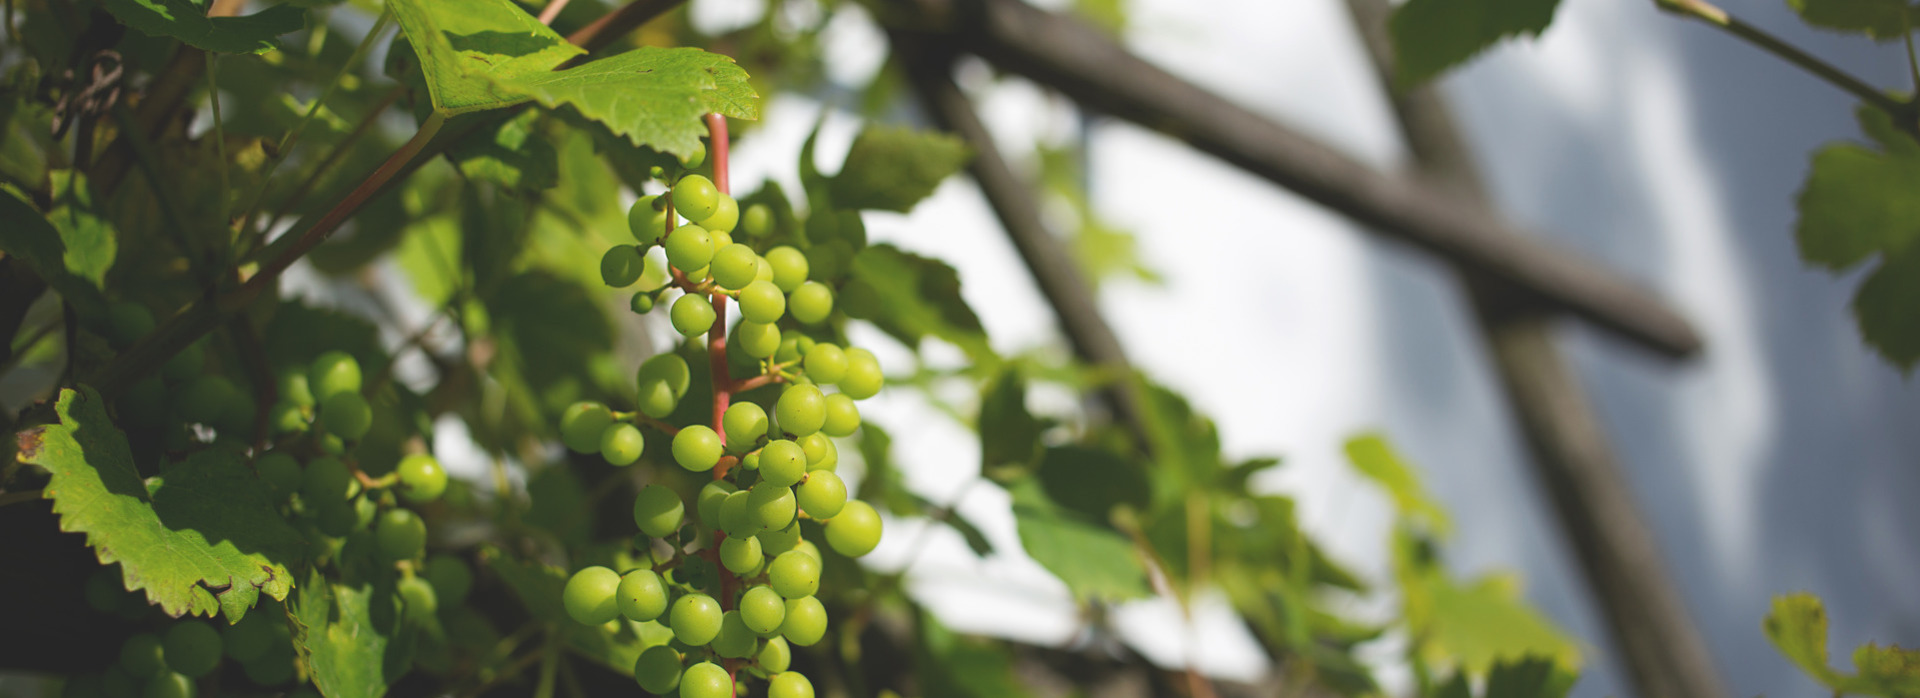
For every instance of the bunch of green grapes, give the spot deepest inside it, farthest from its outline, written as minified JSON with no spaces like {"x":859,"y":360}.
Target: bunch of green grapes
{"x":771,"y":474}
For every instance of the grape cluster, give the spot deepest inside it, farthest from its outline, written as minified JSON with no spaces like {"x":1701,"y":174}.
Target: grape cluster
{"x":772,"y":462}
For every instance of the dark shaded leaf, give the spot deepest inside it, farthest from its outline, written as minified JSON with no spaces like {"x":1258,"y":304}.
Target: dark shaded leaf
{"x":1430,"y":36}
{"x":180,"y":19}
{"x":890,"y":168}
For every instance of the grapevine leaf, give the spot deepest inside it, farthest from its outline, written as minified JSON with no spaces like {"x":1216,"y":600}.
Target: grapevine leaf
{"x":299,"y":333}
{"x":1798,"y":627}
{"x":206,"y":538}
{"x":654,"y":96}
{"x":554,"y":328}
{"x":1886,"y":671}
{"x":1092,"y":482}
{"x":1185,"y":443}
{"x":515,"y":157}
{"x":1430,"y":36}
{"x":1374,"y":458}
{"x":1885,"y":305}
{"x":1881,"y":19}
{"x":25,"y":234}
{"x":1093,"y":560}
{"x":470,"y":50}
{"x":958,"y":666}
{"x":1009,"y":434}
{"x":181,"y":20}
{"x":89,"y":240}
{"x":1482,"y":623}
{"x":912,"y":297}
{"x":349,"y":636}
{"x":891,"y":168}
{"x":1528,"y":677}
{"x":1855,"y":204}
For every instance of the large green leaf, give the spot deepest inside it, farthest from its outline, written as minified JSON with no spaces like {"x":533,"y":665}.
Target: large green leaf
{"x":912,"y":297}
{"x":1881,"y":19}
{"x":25,"y":234}
{"x":1093,"y":560}
{"x":1091,"y":482}
{"x":1430,"y":36}
{"x":468,"y":49}
{"x":891,"y":168}
{"x":654,"y":96}
{"x":1886,"y":671}
{"x":181,"y":20}
{"x":1481,"y":624}
{"x":516,"y":156}
{"x":1009,"y":434}
{"x":1858,"y":202}
{"x":1885,"y":308}
{"x":205,"y":539}
{"x":349,"y":636}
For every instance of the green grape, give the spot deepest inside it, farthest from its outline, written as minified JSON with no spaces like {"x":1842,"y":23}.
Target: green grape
{"x":720,"y":239}
{"x":621,"y":265}
{"x":774,"y":541}
{"x":807,"y":546}
{"x":823,"y":495}
{"x":789,"y":268}
{"x":706,"y":680}
{"x":825,"y":364}
{"x":658,"y":511}
{"x":740,"y":555}
{"x":695,"y":619}
{"x":332,"y":373}
{"x":401,"y":535}
{"x":364,"y":512}
{"x":690,"y":247}
{"x":707,"y":504}
{"x":821,"y":453}
{"x":186,"y":364}
{"x":811,"y":303}
{"x":734,"y":266}
{"x":789,"y":684}
{"x":863,"y":379}
{"x":783,"y":463}
{"x":692,"y":160}
{"x":642,"y":595}
{"x":806,"y":621}
{"x":761,"y":302}
{"x":736,"y":518}
{"x":843,"y":417}
{"x":793,"y":346}
{"x":696,"y":448}
{"x":142,"y":656}
{"x":621,"y":443}
{"x":751,"y":461}
{"x":775,"y":656}
{"x":418,"y":600}
{"x":658,"y":670}
{"x":757,"y":221}
{"x":794,"y":574}
{"x":192,"y":648}
{"x":646,"y":221}
{"x":855,"y":531}
{"x":127,"y":323}
{"x":422,"y":479}
{"x":590,"y":596}
{"x":745,"y":423}
{"x":692,"y":314}
{"x":802,"y":409}
{"x":762,"y":271}
{"x":663,"y":380}
{"x":695,"y":197}
{"x":642,"y":303}
{"x":326,"y":480}
{"x":450,"y":577}
{"x":293,"y":388}
{"x":205,"y":400}
{"x":758,"y":339}
{"x":736,"y":640}
{"x":771,"y":505}
{"x":169,"y":685}
{"x":286,"y":418}
{"x":582,"y":424}
{"x":280,"y":471}
{"x":724,"y":219}
{"x":346,"y":415}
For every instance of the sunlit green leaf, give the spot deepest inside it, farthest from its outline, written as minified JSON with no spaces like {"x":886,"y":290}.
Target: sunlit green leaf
{"x":654,"y":96}
{"x":350,"y":637}
{"x":1798,"y":628}
{"x":470,"y":48}
{"x":1374,"y":458}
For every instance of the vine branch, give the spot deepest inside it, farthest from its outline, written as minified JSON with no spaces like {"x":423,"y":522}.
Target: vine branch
{"x":1902,"y":112}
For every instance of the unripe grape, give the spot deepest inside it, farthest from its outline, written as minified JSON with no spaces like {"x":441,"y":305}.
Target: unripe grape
{"x":590,"y":596}
{"x":692,"y":160}
{"x":621,"y":443}
{"x":582,"y":424}
{"x":646,"y":222}
{"x":696,"y":448}
{"x":811,"y":303}
{"x":642,"y":595}
{"x":142,"y":656}
{"x":450,"y":577}
{"x":762,"y":271}
{"x":774,"y":541}
{"x":695,"y":619}
{"x":793,"y":345}
{"x":758,"y":340}
{"x":735,"y":640}
{"x":761,"y":302}
{"x":657,"y":670}
{"x":663,"y":380}
{"x":712,"y":496}
{"x":863,"y":379}
{"x":280,"y":471}
{"x":725,"y":217}
{"x":326,"y":480}
{"x":823,"y":495}
{"x":745,"y":423}
{"x":740,"y":555}
{"x":843,"y":416}
{"x":782,"y":463}
{"x":734,"y":266}
{"x":294,"y":388}
{"x":775,"y":656}
{"x":771,"y":505}
{"x":422,"y":479}
{"x":127,"y":323}
{"x":789,"y":267}
{"x":794,"y":574}
{"x":205,"y":400}
{"x":658,"y":511}
{"x":332,"y":373}
{"x":789,"y":684}
{"x":419,"y":600}
{"x":192,"y":648}
{"x":802,"y":409}
{"x":806,"y":621}
{"x":825,"y":364}
{"x":401,"y":535}
{"x":692,"y":314}
{"x":706,"y":680}
{"x":720,"y":239}
{"x":736,"y":518}
{"x":346,"y":415}
{"x":621,"y":266}
{"x":169,"y":685}
{"x":807,"y":546}
{"x":856,"y":531}
{"x":821,"y":453}
{"x":689,"y":247}
{"x":642,"y":303}
{"x":186,"y":364}
{"x":757,"y":221}
{"x":695,"y":197}
{"x":284,"y":417}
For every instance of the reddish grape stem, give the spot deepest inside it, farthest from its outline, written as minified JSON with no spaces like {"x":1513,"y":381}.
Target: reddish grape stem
{"x":717,"y":335}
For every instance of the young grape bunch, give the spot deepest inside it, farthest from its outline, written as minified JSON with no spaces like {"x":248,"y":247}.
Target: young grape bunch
{"x":729,"y":562}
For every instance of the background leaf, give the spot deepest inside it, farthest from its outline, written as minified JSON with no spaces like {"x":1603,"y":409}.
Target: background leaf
{"x":1881,"y":19}
{"x":914,"y":296}
{"x":1093,"y":560}
{"x":182,"y":20}
{"x":890,"y":168}
{"x":654,"y":96}
{"x":1798,"y":627}
{"x":349,"y":637}
{"x":466,"y":48}
{"x":1430,"y":36}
